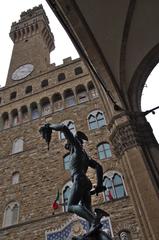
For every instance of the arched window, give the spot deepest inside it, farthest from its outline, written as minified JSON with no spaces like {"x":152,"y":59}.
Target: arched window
{"x":65,"y":194}
{"x":66,"y":161}
{"x":96,"y":119}
{"x":61,"y":77}
{"x":17,"y":145}
{"x":28,"y":89}
{"x":13,"y":95}
{"x":15,"y":178}
{"x":104,"y":151}
{"x":70,"y":124}
{"x":11,"y":214}
{"x":15,"y":117}
{"x":81,"y":93}
{"x":57,"y":102}
{"x":115,"y":188}
{"x":34,"y":111}
{"x":45,"y":106}
{"x":44,"y":83}
{"x":92,"y":90}
{"x":69,"y":98}
{"x":5,"y":120}
{"x":124,"y":235}
{"x":78,"y":70}
{"x":24,"y":113}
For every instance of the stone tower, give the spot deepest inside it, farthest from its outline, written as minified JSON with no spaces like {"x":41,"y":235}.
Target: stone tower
{"x":38,"y":92}
{"x":31,"y":32}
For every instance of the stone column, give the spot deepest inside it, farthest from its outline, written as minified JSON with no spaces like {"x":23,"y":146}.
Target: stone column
{"x":134,"y":143}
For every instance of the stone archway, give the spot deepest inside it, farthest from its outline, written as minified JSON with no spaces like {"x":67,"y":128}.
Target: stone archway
{"x":140,"y":76}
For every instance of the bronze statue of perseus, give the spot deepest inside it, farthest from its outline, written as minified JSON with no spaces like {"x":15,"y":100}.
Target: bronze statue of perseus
{"x":79,"y":201}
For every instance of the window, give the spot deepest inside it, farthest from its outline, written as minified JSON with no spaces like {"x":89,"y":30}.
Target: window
{"x":70,"y":124}
{"x":115,"y":188}
{"x":5,"y":120}
{"x":15,"y":117}
{"x":96,"y":119}
{"x":34,"y":111}
{"x":66,"y":193}
{"x":11,"y":214}
{"x":81,"y":93}
{"x":66,"y":161}
{"x":61,"y":77}
{"x":69,"y":98}
{"x":45,"y":106}
{"x":124,"y":235}
{"x":57,"y":102}
{"x":15,"y":178}
{"x":28,"y":89}
{"x":78,"y":70}
{"x":92,"y":90}
{"x":44,"y":83}
{"x":17,"y":145}
{"x":100,"y":119}
{"x":104,"y":151}
{"x":0,"y":100}
{"x":24,"y":113}
{"x":13,"y":95}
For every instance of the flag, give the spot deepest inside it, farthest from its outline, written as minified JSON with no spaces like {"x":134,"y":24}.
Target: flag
{"x":55,"y":204}
{"x":110,"y":196}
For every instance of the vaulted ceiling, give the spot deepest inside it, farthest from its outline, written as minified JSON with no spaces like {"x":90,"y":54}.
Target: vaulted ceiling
{"x":124,"y":33}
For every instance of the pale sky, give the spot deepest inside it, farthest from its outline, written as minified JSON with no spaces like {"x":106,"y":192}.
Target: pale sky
{"x":10,"y":12}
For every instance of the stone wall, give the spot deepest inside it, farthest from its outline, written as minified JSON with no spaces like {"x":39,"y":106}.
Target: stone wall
{"x":41,"y":171}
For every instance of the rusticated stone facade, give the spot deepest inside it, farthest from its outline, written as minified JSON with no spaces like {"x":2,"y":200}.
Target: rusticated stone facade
{"x":41,"y":172}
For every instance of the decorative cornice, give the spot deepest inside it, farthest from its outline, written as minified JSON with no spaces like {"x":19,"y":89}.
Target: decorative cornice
{"x":136,"y":131}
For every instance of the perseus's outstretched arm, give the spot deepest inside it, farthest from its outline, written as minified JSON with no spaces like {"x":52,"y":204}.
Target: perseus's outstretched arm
{"x":62,"y":128}
{"x":66,"y":131}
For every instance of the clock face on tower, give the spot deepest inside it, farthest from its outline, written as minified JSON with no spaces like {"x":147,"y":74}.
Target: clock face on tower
{"x":22,"y":71}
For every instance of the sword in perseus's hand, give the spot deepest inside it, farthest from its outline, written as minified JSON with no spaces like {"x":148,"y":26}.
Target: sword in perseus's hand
{"x":46,"y":132}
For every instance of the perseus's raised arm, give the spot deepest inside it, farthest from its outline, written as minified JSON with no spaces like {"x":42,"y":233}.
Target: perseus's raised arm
{"x":66,"y":131}
{"x":46,"y":132}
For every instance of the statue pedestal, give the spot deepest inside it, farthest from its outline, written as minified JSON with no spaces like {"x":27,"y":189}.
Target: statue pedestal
{"x":98,"y":235}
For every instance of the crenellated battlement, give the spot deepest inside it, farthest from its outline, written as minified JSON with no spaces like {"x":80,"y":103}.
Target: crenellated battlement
{"x":33,"y":21}
{"x":34,"y":12}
